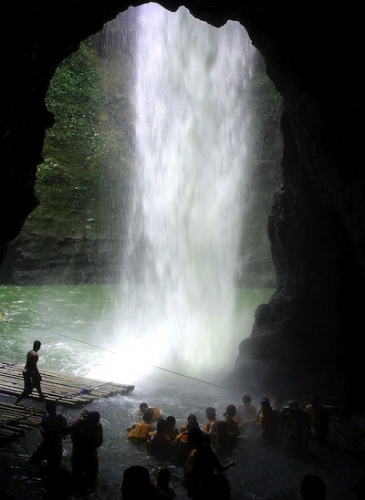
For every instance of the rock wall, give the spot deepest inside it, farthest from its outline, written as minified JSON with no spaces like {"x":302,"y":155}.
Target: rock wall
{"x":306,"y":337}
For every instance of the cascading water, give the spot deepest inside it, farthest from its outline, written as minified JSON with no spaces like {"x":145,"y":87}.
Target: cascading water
{"x":178,"y":295}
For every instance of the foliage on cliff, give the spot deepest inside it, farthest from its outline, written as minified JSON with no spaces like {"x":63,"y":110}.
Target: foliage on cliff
{"x":81,"y":158}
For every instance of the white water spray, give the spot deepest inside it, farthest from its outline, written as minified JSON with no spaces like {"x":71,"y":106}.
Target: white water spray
{"x":177,"y":310}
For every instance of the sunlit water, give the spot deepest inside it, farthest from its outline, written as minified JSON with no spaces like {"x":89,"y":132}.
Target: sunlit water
{"x":182,"y":256}
{"x":73,"y":324}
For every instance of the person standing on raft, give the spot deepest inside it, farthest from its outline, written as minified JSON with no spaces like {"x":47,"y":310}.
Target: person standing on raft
{"x":31,"y":375}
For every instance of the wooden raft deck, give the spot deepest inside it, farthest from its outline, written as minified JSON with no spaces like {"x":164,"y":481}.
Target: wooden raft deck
{"x":69,"y":391}
{"x":15,"y":420}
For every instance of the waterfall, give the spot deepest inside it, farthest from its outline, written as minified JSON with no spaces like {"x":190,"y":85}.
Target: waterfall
{"x":179,"y":266}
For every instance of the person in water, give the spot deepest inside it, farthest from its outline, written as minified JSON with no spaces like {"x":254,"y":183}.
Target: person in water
{"x":313,"y":487}
{"x":137,"y":484}
{"x":159,"y":444}
{"x":224,"y":442}
{"x":211,"y":422}
{"x":318,"y":419}
{"x":155,"y":411}
{"x":171,"y":430}
{"x":246,"y":416}
{"x":52,"y":429}
{"x":31,"y":375}
{"x":163,"y":482}
{"x":268,"y":420}
{"x":86,"y":436}
{"x":231,"y":419}
{"x":183,"y":448}
{"x":203,"y":468}
{"x":296,"y":428}
{"x":140,"y":432}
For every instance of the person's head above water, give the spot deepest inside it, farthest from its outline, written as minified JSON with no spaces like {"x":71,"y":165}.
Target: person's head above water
{"x":192,"y":421}
{"x":313,"y":487}
{"x":230,"y":411}
{"x":210,"y":413}
{"x":195,"y":435}
{"x":51,"y":406}
{"x":36,"y":345}
{"x":246,"y":399}
{"x":148,"y":416}
{"x":136,"y":483}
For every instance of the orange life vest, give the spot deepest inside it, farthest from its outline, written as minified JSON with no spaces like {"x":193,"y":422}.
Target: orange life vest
{"x":140,"y":432}
{"x":156,"y":414}
{"x":188,"y":466}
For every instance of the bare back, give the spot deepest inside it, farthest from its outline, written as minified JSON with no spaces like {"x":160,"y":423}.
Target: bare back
{"x":32,"y":360}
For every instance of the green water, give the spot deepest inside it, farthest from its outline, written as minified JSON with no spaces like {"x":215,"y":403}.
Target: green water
{"x":80,"y":327}
{"x":77,"y":326}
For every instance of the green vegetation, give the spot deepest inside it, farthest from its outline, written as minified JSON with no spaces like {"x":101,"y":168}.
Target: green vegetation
{"x":82,"y":159}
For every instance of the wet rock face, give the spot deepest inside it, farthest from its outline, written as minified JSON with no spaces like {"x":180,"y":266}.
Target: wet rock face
{"x":306,"y":338}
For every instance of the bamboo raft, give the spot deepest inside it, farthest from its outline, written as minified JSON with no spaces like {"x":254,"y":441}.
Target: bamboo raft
{"x":69,"y":391}
{"x":15,"y":420}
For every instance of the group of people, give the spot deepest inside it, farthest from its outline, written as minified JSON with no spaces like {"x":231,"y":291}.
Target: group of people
{"x":137,"y":483}
{"x":163,"y":439}
{"x":299,"y":426}
{"x":199,"y":449}
{"x":86,"y":432}
{"x":291,"y":423}
{"x":189,"y":445}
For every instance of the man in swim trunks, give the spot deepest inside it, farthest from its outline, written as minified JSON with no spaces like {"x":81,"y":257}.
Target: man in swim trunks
{"x":31,"y":375}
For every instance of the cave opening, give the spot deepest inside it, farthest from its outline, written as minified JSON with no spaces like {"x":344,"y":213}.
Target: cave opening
{"x":89,"y":173}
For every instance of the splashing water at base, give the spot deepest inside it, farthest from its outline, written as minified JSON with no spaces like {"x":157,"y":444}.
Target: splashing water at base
{"x":177,"y":302}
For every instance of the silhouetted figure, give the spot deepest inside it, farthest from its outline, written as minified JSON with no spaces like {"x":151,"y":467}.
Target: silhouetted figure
{"x":158,"y":444}
{"x":231,"y":419}
{"x":224,"y":442}
{"x":246,"y":416}
{"x":52,"y":429}
{"x":268,"y":420}
{"x":191,"y":421}
{"x":171,"y":430}
{"x":313,"y":487}
{"x":163,"y":480}
{"x":86,"y":436}
{"x":31,"y":375}
{"x":318,"y":419}
{"x":155,"y":411}
{"x":137,"y":485}
{"x":183,"y":448}
{"x":217,"y":486}
{"x":296,"y":427}
{"x":209,"y":426}
{"x":201,"y":468}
